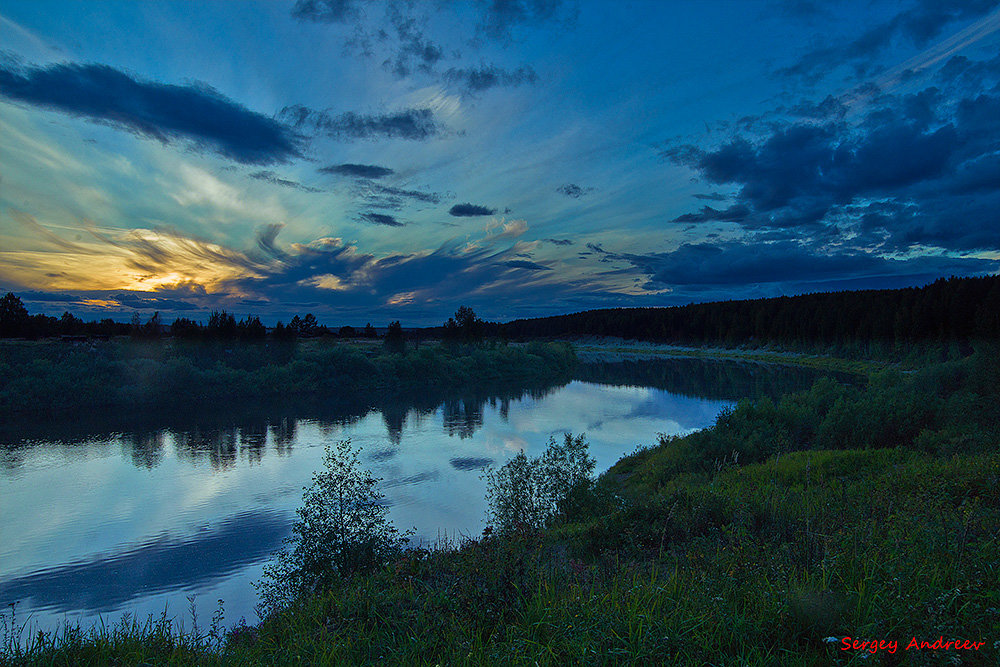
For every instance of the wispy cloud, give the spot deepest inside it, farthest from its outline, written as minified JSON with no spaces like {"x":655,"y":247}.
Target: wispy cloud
{"x":325,"y":11}
{"x":412,"y":124}
{"x":386,"y":196}
{"x":271,"y":177}
{"x":380,"y":219}
{"x":502,"y":18}
{"x":526,"y":265}
{"x":484,"y":77}
{"x":414,"y":50}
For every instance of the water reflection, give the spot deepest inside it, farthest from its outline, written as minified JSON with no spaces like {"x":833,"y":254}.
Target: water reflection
{"x":104,"y":582}
{"x":224,"y":431}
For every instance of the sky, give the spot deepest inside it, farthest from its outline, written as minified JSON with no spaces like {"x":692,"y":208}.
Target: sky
{"x":372,"y":161}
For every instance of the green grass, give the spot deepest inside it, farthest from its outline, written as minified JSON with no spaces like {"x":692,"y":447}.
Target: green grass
{"x":822,"y":362}
{"x":869,"y":512}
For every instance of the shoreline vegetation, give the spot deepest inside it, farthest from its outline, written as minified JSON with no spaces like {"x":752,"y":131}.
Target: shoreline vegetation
{"x":819,"y":527}
{"x":52,"y":377}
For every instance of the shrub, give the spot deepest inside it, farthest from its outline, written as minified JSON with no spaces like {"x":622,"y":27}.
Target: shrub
{"x":529,"y":493}
{"x":342,"y":529}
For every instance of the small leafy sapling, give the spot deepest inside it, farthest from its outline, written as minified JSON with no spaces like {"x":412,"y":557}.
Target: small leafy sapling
{"x":530,"y":493}
{"x":342,"y":528}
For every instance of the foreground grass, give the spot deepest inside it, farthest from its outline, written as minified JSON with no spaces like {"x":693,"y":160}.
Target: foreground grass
{"x":870,"y":513}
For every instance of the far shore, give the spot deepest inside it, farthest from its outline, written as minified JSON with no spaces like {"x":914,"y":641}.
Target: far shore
{"x":590,"y":349}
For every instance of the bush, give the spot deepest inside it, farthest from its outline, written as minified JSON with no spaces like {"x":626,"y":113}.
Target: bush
{"x":529,"y":493}
{"x":342,"y":529}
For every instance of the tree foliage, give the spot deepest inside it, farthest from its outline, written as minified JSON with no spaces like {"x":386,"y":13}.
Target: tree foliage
{"x":530,"y":493}
{"x":465,"y":326}
{"x":342,"y":529}
{"x":394,"y":340}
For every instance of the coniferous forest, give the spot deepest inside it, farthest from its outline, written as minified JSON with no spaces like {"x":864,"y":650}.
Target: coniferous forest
{"x":952,"y":309}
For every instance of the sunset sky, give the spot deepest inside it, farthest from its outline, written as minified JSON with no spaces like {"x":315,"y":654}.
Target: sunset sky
{"x":372,"y":161}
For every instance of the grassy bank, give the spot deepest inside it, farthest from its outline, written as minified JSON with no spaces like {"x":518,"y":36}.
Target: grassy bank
{"x":47,"y":376}
{"x":869,"y":512}
{"x":857,"y":360}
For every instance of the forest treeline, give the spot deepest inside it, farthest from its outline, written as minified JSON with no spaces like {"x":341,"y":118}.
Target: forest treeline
{"x":17,"y":322}
{"x":949,"y":309}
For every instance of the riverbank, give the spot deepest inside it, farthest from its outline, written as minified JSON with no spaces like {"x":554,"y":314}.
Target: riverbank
{"x":593,"y":349}
{"x":861,"y":512}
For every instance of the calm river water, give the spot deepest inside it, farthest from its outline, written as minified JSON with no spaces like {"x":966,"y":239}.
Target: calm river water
{"x":114,"y":514}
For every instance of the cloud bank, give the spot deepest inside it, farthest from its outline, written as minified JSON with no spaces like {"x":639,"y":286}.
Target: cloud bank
{"x":196,"y":114}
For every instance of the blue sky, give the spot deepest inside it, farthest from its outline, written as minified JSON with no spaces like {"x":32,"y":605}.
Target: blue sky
{"x":371,"y":161}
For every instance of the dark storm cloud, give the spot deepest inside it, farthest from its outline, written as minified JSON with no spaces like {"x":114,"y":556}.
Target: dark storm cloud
{"x":380,"y":219}
{"x":484,"y":77}
{"x":470,"y":210}
{"x":559,"y":241}
{"x":271,"y":177}
{"x":915,"y":170}
{"x":196,"y":114}
{"x":921,"y":22}
{"x":357,"y":170}
{"x":413,"y":124}
{"x":712,"y":196}
{"x":573,"y":190}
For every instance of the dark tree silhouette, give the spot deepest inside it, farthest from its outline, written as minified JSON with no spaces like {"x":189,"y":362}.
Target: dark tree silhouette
{"x":465,"y":326}
{"x":221,"y":325}
{"x":394,"y":340}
